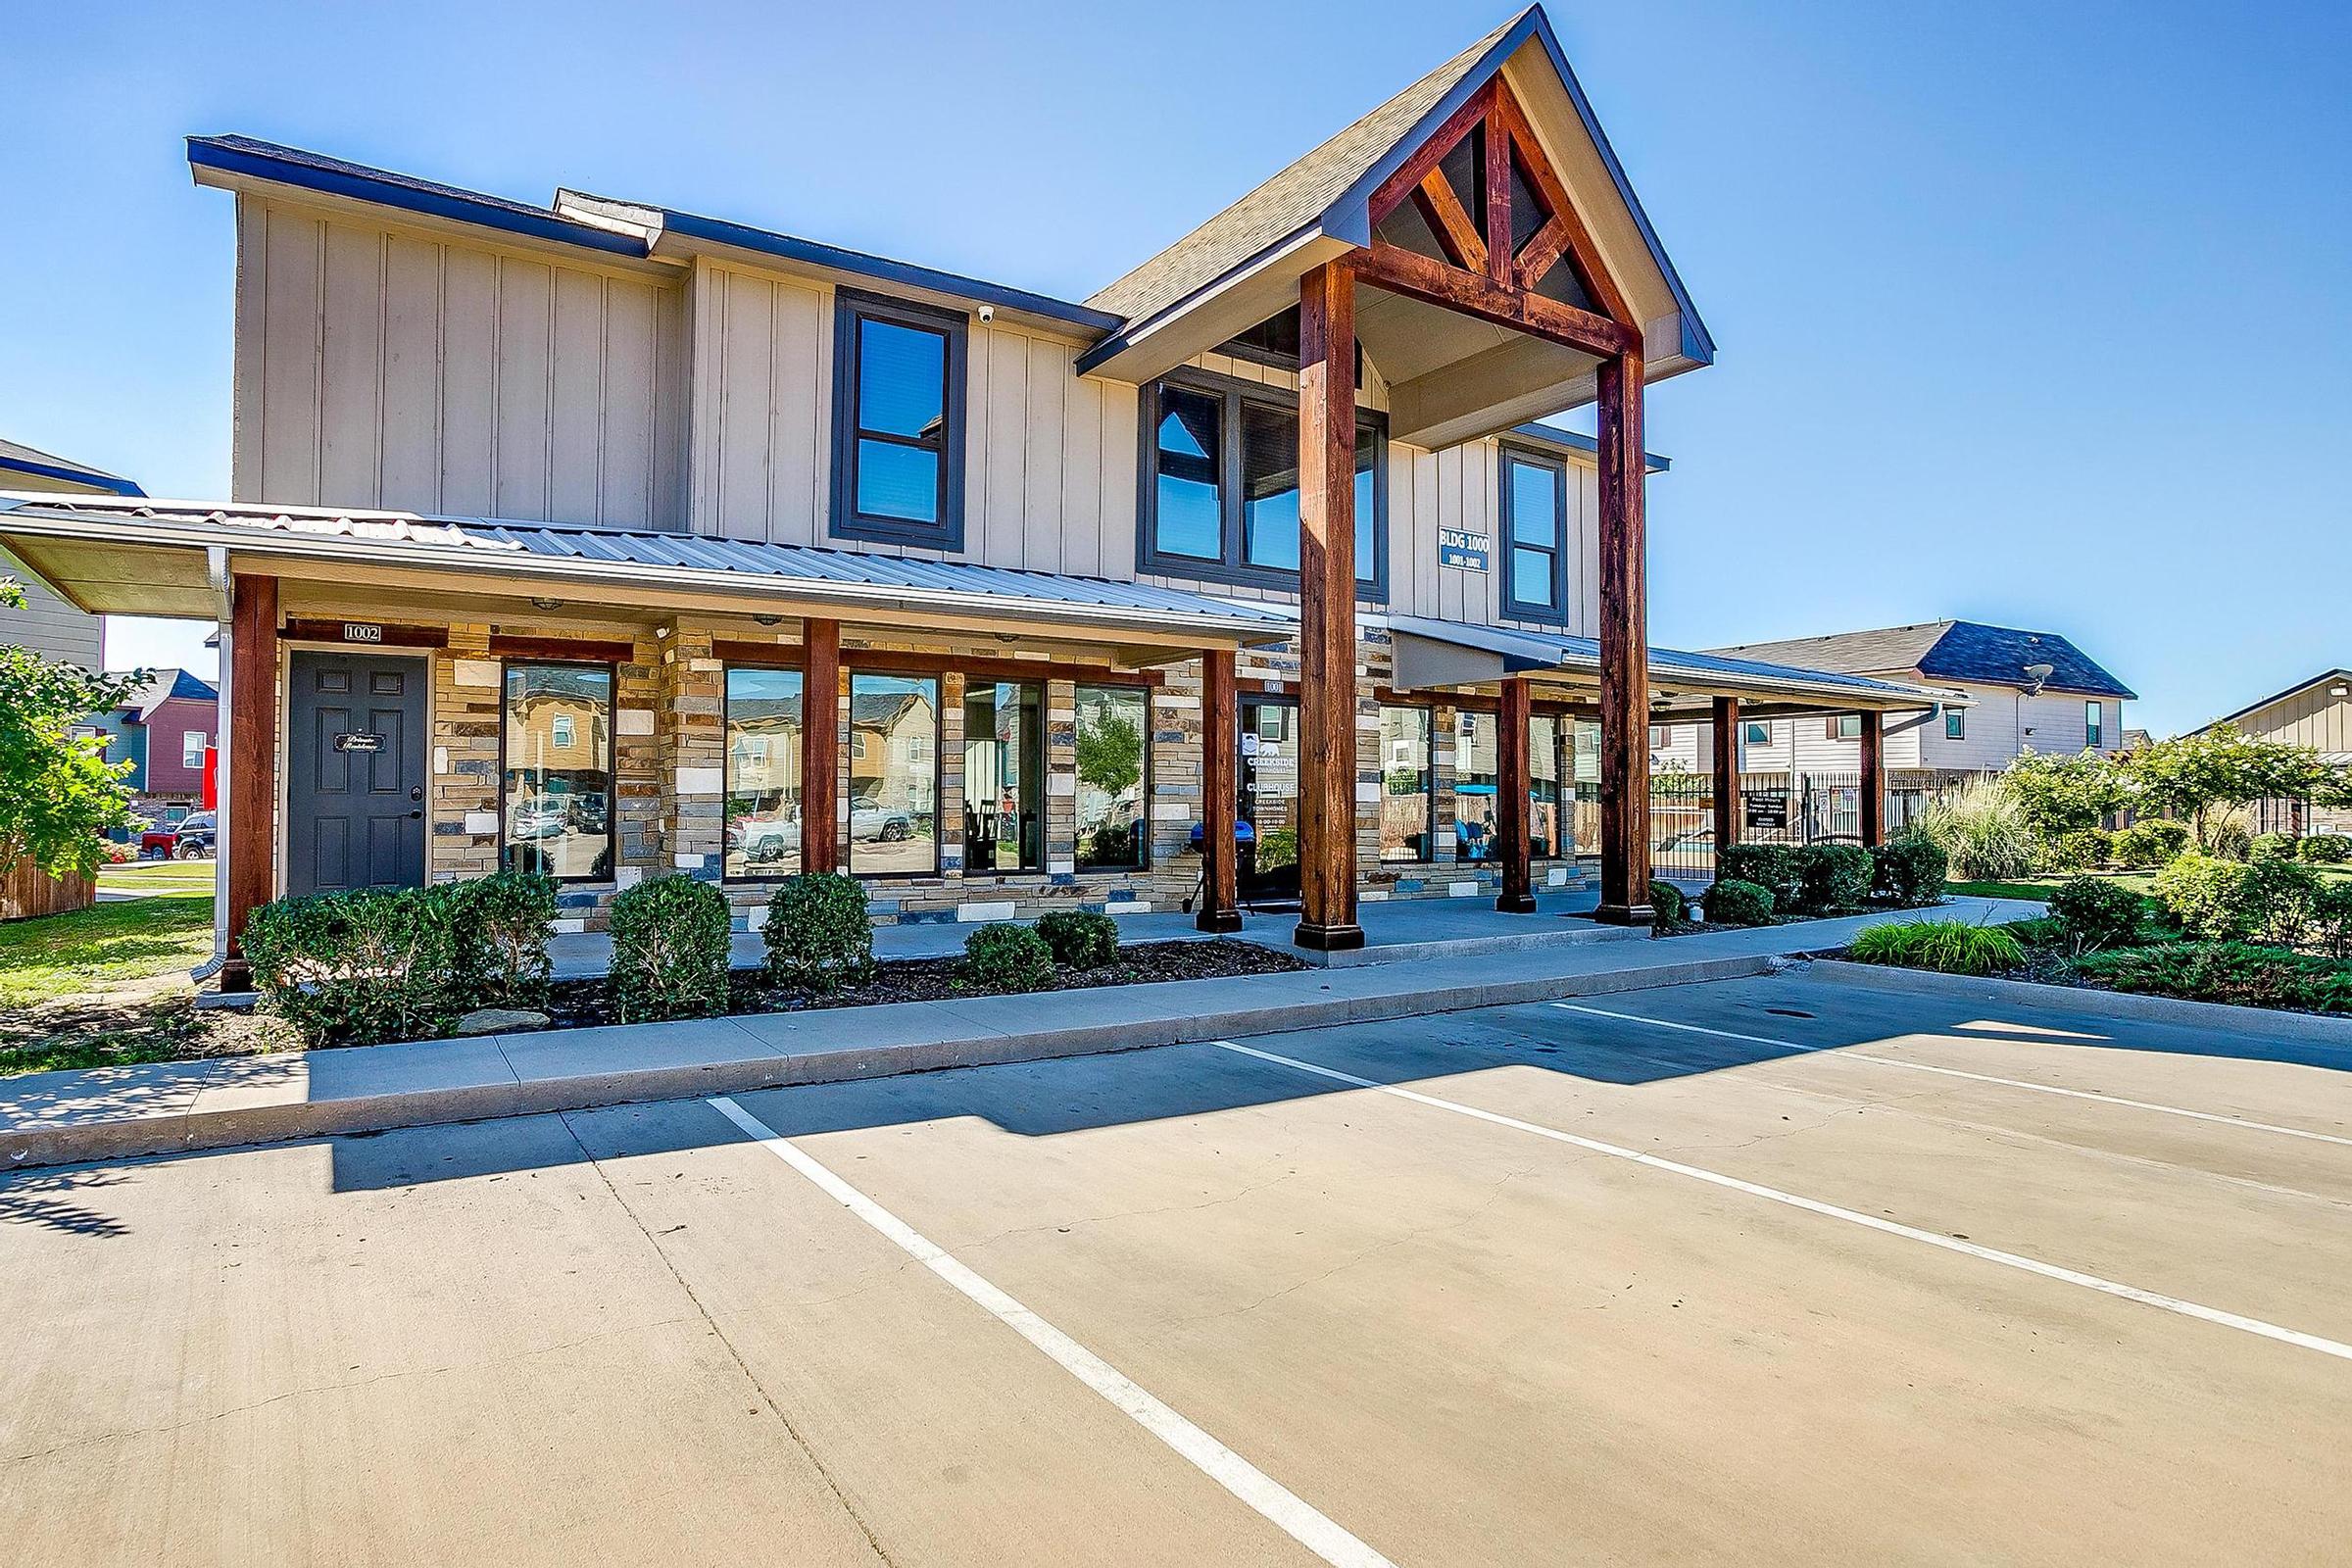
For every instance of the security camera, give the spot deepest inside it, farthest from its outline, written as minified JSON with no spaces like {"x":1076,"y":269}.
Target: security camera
{"x":988,"y":313}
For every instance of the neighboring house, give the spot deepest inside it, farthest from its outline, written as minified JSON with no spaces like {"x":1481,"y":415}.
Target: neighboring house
{"x":2010,"y":691}
{"x":162,"y":731}
{"x":2317,"y":713}
{"x":1265,"y":526}
{"x":47,"y":624}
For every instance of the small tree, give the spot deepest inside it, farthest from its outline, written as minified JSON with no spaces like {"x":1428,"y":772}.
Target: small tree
{"x":2060,"y":796}
{"x":2189,"y":775}
{"x":58,"y":792}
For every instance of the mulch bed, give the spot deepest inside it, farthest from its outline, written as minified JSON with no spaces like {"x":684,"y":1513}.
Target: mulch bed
{"x":574,"y":1004}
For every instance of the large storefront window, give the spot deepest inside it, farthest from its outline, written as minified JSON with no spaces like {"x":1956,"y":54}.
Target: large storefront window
{"x":1113,"y":736}
{"x":894,"y":774}
{"x":1003,"y":776}
{"x":763,"y":772}
{"x":1547,"y":824}
{"x":557,"y":793}
{"x":1404,"y":779}
{"x":1474,"y":772}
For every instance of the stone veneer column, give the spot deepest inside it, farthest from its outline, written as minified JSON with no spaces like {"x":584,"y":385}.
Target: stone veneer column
{"x":1062,"y":781}
{"x":690,"y":702}
{"x":465,"y":835}
{"x":639,"y":767}
{"x":948,"y":816}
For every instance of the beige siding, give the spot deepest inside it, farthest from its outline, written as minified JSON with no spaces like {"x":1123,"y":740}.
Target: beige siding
{"x":378,"y":368}
{"x":2308,"y":717}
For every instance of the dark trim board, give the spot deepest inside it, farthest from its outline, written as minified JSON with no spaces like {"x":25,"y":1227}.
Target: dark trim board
{"x":564,"y":649}
{"x":388,"y":634}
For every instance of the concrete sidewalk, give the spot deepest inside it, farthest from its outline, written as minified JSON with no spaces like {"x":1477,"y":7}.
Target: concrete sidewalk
{"x":107,"y":1113}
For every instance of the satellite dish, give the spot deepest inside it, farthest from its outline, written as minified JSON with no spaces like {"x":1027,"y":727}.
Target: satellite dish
{"x":2038,"y":674}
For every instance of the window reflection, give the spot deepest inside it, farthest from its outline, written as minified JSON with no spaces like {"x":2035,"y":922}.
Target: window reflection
{"x":894,"y":774}
{"x":557,"y":791}
{"x":763,"y":772}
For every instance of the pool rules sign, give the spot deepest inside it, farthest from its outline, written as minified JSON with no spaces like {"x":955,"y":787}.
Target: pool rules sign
{"x":1463,"y":550}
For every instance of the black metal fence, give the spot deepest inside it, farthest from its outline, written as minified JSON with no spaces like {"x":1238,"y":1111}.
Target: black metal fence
{"x":1774,"y":809}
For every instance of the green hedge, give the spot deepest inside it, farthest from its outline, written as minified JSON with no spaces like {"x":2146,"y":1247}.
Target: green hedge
{"x":1770,"y":866}
{"x":2145,"y":846}
{"x":2227,"y":971}
{"x":1910,"y":868}
{"x":1731,"y":902}
{"x":1082,"y":939}
{"x":500,"y":927}
{"x":2214,"y":899}
{"x":819,"y":936}
{"x":2098,"y":913}
{"x":2326,"y":848}
{"x":1666,"y":906}
{"x":1830,"y":879}
{"x":670,"y":939}
{"x":359,"y":968}
{"x":1004,"y":957}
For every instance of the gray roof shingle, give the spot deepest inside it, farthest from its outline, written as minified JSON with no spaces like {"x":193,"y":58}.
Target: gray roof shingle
{"x":1946,"y":650}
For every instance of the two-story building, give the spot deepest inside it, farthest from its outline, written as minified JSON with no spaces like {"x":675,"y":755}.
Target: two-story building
{"x":999,"y":600}
{"x":2006,"y":692}
{"x":46,"y":624}
{"x":2315,"y":712}
{"x":163,"y":732}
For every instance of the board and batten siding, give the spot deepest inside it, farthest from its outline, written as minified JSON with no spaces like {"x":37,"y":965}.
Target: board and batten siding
{"x":380,"y":368}
{"x":1049,"y":479}
{"x":2308,"y":717}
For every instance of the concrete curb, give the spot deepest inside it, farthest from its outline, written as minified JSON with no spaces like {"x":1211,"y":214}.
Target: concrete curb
{"x":2263,"y":1023}
{"x":994,"y":1030}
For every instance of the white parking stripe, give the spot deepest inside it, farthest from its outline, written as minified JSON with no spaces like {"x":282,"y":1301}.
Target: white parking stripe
{"x":1283,"y":1508}
{"x":1847,"y":1053}
{"x":1814,"y":1205}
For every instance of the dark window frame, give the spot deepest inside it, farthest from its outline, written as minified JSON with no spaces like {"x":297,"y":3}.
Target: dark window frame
{"x":1428,"y":774}
{"x":939,"y":766}
{"x":727,"y":760}
{"x":1231,"y":565}
{"x":1035,"y":752}
{"x":2094,"y":723}
{"x":1144,"y":785}
{"x":1506,"y":544}
{"x":611,"y":764}
{"x":851,"y":308}
{"x":1956,"y":723}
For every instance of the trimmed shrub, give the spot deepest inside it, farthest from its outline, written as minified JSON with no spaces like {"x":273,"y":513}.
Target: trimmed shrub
{"x":1731,"y":902}
{"x":2270,"y":846}
{"x":2227,"y":900}
{"x":1982,"y":831}
{"x":2326,"y":848}
{"x":2285,"y":894}
{"x":2098,"y":913}
{"x":1666,"y":906}
{"x":2078,"y":850}
{"x":1082,"y":939}
{"x":817,"y":935}
{"x":2332,"y":918}
{"x":500,"y":928}
{"x":1005,"y":956}
{"x":669,"y":950}
{"x":2145,"y":846}
{"x":2226,"y":971}
{"x":1950,"y":947}
{"x":1831,"y":878}
{"x":1910,"y":869}
{"x":1770,"y":866}
{"x":358,"y":968}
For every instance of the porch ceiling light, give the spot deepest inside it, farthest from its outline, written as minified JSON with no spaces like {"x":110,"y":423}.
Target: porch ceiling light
{"x":547,"y":604}
{"x":768,"y":620}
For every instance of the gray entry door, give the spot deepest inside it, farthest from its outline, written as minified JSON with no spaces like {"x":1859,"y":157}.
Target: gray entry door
{"x":354,"y":757}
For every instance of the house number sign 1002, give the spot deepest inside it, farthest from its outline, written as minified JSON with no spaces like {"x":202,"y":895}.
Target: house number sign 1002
{"x":360,"y":631}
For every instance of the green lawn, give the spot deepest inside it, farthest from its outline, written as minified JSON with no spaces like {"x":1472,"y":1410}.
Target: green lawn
{"x":103,"y":948}
{"x":157,"y":877}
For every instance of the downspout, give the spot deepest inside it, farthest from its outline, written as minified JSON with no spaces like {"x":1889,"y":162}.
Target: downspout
{"x":224,"y":590}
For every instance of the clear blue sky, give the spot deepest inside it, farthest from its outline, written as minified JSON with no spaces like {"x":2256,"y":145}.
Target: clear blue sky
{"x":2031,"y":314}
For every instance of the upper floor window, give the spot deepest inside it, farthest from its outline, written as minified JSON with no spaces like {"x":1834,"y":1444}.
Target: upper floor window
{"x":1955,"y":725}
{"x":1535,"y":529}
{"x":1220,"y":493}
{"x":2095,"y":724}
{"x":898,"y":422}
{"x":193,"y":742}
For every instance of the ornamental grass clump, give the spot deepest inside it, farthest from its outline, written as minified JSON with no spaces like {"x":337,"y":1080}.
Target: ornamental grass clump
{"x":818,"y":935}
{"x":670,"y":939}
{"x":1949,"y":946}
{"x":1984,"y":832}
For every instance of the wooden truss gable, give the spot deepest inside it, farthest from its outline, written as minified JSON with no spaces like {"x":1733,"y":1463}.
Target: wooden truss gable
{"x":1509,"y":244}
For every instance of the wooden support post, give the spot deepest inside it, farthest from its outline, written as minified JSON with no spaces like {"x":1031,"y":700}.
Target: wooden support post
{"x":251,"y":756}
{"x":1874,"y":779}
{"x":1727,"y":775}
{"x":1624,"y":650}
{"x":1327,"y":611}
{"x":1512,"y":786}
{"x":1220,"y":746}
{"x":820,"y":747}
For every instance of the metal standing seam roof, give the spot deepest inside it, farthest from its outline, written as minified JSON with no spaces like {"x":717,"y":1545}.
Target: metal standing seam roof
{"x":1525,"y":652}
{"x":487,"y":538}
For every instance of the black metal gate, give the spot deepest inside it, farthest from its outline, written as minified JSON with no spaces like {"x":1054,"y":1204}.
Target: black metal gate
{"x":1801,"y":808}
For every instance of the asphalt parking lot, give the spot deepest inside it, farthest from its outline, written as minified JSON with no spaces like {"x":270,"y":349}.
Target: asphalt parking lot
{"x":1771,"y":1270}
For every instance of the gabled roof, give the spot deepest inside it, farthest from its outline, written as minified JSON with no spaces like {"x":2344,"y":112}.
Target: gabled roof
{"x":161,"y":686}
{"x":18,"y":459}
{"x":1328,"y":193}
{"x":1948,"y":650}
{"x":2340,"y":673}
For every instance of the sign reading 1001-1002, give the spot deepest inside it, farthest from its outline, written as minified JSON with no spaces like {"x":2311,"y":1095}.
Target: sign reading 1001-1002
{"x":1462,"y":549}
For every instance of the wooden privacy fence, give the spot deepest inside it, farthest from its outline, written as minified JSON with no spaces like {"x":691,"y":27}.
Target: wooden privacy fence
{"x":26,"y":890}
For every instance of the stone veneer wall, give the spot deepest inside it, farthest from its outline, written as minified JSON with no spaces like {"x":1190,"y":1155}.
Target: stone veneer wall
{"x":669,"y":784}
